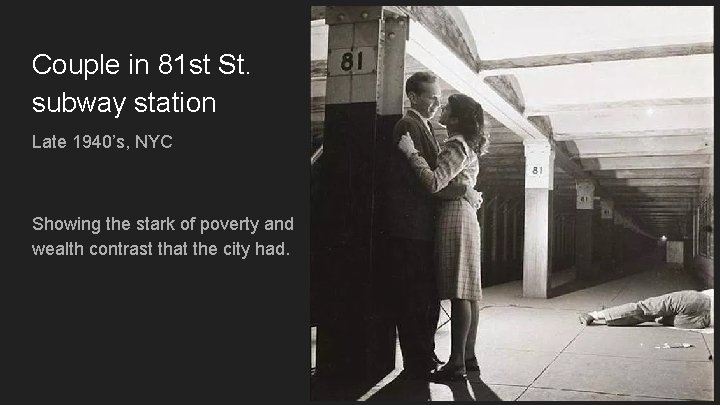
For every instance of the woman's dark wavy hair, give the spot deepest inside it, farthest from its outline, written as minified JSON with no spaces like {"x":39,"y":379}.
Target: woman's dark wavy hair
{"x":471,"y":121}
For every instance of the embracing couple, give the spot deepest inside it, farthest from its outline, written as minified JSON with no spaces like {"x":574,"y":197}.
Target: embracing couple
{"x":434,"y":244}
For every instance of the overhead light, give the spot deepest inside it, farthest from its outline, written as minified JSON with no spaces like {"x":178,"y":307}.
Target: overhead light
{"x":663,"y":238}
{"x":649,"y":111}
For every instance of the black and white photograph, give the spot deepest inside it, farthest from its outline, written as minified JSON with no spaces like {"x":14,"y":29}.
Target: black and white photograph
{"x":511,"y":203}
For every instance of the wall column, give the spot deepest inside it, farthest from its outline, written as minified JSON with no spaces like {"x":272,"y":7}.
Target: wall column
{"x":583,"y":229}
{"x":366,"y":62}
{"x":606,"y":233}
{"x":537,"y":252}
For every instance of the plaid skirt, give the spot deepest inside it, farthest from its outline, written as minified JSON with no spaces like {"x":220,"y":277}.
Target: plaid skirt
{"x":457,"y":251}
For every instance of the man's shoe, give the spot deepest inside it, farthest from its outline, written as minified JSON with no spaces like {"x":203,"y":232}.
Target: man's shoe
{"x":586,"y":319}
{"x":420,"y":371}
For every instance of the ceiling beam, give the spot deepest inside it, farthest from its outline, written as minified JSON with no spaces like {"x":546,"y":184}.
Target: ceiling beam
{"x":688,"y":190}
{"x":630,"y":200}
{"x":542,"y":122}
{"x":621,"y":195}
{"x":656,"y":209}
{"x":660,"y":102}
{"x":649,"y":182}
{"x":649,"y":174}
{"x":664,"y":222}
{"x":540,"y":61}
{"x":448,"y":24}
{"x":655,"y":201}
{"x":508,"y":87}
{"x":317,"y":13}
{"x":708,"y":150}
{"x":625,"y":147}
{"x":644,"y":204}
{"x":707,"y":132}
{"x":647,"y":162}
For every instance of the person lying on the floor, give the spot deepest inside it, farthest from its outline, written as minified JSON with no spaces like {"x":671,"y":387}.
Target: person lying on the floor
{"x":687,"y":309}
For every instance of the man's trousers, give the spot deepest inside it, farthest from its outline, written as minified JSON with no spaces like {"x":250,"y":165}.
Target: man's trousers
{"x":414,"y":300}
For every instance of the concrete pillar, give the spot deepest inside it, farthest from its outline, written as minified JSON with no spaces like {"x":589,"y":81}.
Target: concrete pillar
{"x":583,"y":228}
{"x":366,"y":60}
{"x":537,"y":252}
{"x":606,"y":233}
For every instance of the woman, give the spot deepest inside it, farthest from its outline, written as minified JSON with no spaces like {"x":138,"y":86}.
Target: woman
{"x":457,"y":247}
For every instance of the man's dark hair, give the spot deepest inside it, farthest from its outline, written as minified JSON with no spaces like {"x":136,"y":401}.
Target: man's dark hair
{"x":413,"y":82}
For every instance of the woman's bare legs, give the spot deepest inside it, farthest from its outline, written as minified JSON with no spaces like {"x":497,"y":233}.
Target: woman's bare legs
{"x":472,"y":333}
{"x":459,"y":328}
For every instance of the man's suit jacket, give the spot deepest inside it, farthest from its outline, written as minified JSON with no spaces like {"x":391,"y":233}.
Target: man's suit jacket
{"x":410,"y":209}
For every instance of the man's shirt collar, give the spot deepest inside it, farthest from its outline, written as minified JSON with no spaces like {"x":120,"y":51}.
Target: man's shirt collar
{"x":423,"y":119}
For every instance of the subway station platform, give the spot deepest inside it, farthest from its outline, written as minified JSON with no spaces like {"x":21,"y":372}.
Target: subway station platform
{"x":536,"y":349}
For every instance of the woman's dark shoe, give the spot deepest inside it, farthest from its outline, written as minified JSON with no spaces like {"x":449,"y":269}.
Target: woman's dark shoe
{"x":449,"y":374}
{"x":472,"y":364}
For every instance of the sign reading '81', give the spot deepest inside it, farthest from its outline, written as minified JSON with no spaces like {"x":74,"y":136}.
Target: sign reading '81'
{"x":537,"y":173}
{"x":356,"y":61}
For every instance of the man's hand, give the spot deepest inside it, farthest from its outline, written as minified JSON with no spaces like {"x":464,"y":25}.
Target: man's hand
{"x":474,"y":197}
{"x":406,"y":145}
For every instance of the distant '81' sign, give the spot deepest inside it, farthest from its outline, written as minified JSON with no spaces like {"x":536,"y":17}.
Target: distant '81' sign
{"x":355,"y":61}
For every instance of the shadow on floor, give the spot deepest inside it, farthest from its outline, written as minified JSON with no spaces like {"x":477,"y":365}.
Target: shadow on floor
{"x":480,"y":390}
{"x":581,"y":284}
{"x":602,"y":277}
{"x":404,"y":389}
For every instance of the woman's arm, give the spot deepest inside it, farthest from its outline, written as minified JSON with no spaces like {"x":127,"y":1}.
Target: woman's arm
{"x":451,"y":160}
{"x":460,"y":191}
{"x":453,"y":191}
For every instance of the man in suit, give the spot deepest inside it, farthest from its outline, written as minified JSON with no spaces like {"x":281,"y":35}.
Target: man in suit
{"x":411,"y":228}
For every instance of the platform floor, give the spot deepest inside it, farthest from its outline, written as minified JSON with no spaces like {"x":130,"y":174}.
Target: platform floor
{"x":536,"y":349}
